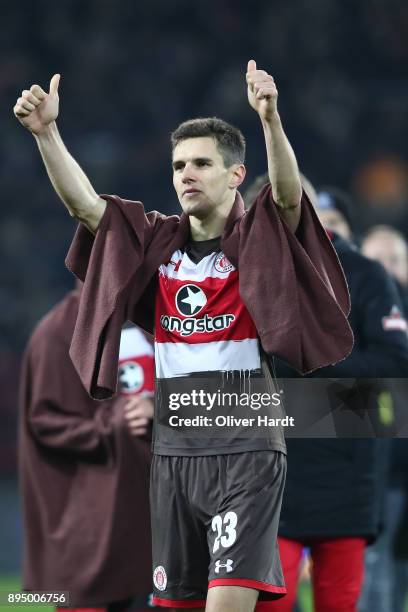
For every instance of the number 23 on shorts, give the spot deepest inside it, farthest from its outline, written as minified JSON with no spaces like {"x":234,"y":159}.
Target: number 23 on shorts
{"x":224,"y":528}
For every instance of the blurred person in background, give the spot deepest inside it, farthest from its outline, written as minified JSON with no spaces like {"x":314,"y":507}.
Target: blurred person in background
{"x":389,"y":246}
{"x":335,"y":211}
{"x":334,"y":487}
{"x":386,"y":585}
{"x":84,"y":471}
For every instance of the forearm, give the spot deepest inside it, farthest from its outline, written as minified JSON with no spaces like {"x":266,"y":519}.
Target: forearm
{"x":283,"y":171}
{"x":69,"y":180}
{"x":282,"y":165}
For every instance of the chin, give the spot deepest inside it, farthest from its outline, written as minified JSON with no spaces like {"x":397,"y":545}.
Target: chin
{"x":196,"y":209}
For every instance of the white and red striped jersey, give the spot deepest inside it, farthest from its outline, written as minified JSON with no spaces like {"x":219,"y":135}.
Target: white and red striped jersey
{"x":203,"y":330}
{"x":201,"y":321}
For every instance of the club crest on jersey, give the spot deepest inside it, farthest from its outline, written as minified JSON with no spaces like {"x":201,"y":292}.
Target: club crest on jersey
{"x":222,"y":264}
{"x":160,"y":578}
{"x":131,"y":377}
{"x":394,"y":321}
{"x":190,"y":299}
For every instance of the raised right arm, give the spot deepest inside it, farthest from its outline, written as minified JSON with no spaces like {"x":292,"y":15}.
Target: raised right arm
{"x":37,"y":111}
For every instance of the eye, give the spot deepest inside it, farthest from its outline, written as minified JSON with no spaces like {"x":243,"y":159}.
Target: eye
{"x":202,"y":162}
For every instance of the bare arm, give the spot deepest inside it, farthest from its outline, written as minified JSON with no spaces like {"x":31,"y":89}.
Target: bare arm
{"x":69,"y":180}
{"x":282,"y":165}
{"x":37,"y":111}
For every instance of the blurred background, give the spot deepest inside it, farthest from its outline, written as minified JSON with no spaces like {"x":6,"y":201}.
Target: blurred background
{"x":131,"y":71}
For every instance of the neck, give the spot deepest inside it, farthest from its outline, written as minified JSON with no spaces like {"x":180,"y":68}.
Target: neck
{"x":213,"y":224}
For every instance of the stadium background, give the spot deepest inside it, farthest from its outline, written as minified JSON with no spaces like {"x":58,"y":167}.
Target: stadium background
{"x":131,"y":71}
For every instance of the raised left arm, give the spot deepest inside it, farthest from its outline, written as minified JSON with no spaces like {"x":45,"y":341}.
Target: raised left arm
{"x":282,"y":165}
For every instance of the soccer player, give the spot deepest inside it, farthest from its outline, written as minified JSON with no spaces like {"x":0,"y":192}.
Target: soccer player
{"x":84,"y":470}
{"x":219,"y":287}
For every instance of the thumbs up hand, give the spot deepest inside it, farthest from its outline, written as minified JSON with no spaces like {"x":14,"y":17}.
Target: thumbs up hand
{"x":262,"y":92}
{"x":36,"y":109}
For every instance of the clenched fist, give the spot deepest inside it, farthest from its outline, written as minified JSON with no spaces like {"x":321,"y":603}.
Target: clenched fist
{"x":262,"y":92}
{"x":36,"y":109}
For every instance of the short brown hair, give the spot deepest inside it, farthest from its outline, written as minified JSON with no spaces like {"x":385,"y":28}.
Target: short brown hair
{"x":229,"y":139}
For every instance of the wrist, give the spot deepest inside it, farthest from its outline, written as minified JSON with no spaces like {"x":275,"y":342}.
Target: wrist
{"x":271,"y":121}
{"x":48,"y":132}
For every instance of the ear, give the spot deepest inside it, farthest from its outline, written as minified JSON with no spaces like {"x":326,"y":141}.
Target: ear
{"x":238,"y":173}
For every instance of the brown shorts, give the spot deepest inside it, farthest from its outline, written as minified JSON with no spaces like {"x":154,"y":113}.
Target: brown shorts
{"x":215,"y":522}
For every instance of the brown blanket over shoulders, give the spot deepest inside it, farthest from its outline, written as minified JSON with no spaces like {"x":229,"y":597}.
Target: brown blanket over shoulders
{"x":83,"y":478}
{"x":293,"y":285}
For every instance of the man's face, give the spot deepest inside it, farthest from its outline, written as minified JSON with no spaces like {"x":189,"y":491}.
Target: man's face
{"x":200,"y":178}
{"x":334,"y":221}
{"x":391,"y":251}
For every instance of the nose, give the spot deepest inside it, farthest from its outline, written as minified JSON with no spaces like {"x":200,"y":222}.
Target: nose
{"x":188,"y":174}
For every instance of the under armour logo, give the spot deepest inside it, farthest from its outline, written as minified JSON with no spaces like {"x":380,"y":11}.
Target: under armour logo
{"x":227,"y":566}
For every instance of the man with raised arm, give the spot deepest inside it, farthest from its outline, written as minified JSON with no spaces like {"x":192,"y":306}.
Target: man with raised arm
{"x":219,"y":287}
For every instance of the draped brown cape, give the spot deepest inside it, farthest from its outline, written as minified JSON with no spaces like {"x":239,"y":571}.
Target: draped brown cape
{"x":292,"y":284}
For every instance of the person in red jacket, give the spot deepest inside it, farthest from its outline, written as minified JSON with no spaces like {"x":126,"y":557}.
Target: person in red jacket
{"x":84,"y":470}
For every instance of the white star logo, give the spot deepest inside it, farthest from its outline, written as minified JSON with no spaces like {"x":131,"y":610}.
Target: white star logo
{"x":195,"y":300}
